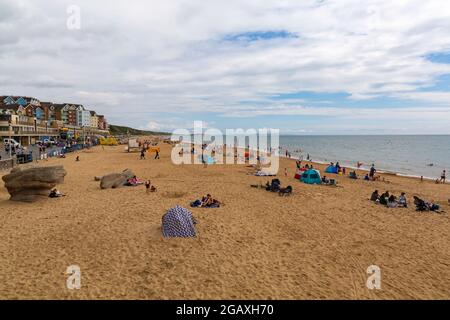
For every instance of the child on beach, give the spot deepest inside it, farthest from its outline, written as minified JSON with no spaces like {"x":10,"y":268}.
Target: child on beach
{"x":147,"y":186}
{"x":143,"y":154}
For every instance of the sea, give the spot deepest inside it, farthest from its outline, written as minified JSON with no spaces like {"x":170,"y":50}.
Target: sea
{"x":409,"y":155}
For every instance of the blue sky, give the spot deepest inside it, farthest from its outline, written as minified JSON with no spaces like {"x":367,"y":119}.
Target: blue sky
{"x":304,"y":67}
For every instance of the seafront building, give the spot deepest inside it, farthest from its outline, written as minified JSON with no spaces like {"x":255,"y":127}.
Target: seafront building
{"x":28,"y":120}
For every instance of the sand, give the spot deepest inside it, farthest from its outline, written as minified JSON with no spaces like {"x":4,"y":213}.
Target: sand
{"x":316,"y":244}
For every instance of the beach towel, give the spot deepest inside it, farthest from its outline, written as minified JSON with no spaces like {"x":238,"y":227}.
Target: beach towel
{"x":178,"y":222}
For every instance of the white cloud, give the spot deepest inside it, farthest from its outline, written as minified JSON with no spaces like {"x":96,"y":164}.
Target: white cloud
{"x":171,"y":56}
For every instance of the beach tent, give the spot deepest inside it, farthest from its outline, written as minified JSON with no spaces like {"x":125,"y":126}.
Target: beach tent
{"x":311,"y":176}
{"x":207,"y":159}
{"x":331,"y":169}
{"x":178,"y":222}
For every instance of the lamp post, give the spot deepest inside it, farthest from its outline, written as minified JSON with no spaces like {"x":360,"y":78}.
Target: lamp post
{"x":10,"y":138}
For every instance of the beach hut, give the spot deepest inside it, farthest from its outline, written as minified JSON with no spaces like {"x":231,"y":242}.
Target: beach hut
{"x":331,"y":169}
{"x":311,"y":176}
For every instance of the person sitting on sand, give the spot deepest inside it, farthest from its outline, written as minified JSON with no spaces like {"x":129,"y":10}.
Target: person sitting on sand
{"x":152,"y":189}
{"x":375,"y":197}
{"x":209,"y":202}
{"x":392,"y":202}
{"x":402,"y":202}
{"x":366,"y":177}
{"x":384,"y":198}
{"x":325,"y":180}
{"x":55,"y":193}
{"x":353,"y":175}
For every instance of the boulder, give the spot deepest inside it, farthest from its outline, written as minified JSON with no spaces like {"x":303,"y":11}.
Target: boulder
{"x":29,"y":185}
{"x":116,"y":180}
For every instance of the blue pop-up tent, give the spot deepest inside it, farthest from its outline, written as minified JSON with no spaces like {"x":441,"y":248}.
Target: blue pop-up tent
{"x":311,"y":176}
{"x":331,"y":169}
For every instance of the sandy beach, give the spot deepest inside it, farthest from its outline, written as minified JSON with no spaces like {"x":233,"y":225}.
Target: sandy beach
{"x":315,"y":244}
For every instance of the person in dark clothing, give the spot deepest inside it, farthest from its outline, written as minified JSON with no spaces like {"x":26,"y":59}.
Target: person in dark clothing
{"x":157,"y":154}
{"x":372,"y":172}
{"x":375,"y":196}
{"x":384,"y":198}
{"x":143,"y":154}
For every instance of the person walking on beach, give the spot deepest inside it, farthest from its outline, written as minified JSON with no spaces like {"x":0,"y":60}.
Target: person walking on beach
{"x":147,"y":186}
{"x":443,"y":176}
{"x":143,"y":154}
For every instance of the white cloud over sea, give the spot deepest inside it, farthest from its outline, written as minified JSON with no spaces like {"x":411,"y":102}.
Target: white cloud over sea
{"x":161,"y":64}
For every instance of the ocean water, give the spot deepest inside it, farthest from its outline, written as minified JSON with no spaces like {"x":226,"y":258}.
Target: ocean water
{"x":404,"y":154}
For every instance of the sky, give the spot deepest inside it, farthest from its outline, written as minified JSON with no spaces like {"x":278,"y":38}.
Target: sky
{"x":304,"y":67}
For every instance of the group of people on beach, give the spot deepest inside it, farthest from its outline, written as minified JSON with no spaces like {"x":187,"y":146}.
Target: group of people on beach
{"x":390,"y":200}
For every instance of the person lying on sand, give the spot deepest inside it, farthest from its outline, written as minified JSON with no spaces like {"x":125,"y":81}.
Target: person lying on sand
{"x":133,"y":182}
{"x":422,"y":205}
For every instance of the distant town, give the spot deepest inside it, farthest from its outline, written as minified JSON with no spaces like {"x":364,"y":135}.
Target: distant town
{"x":29,"y":120}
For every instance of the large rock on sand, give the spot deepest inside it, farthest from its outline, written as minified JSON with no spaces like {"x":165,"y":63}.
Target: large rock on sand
{"x":32,"y":184}
{"x":116,"y":180}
